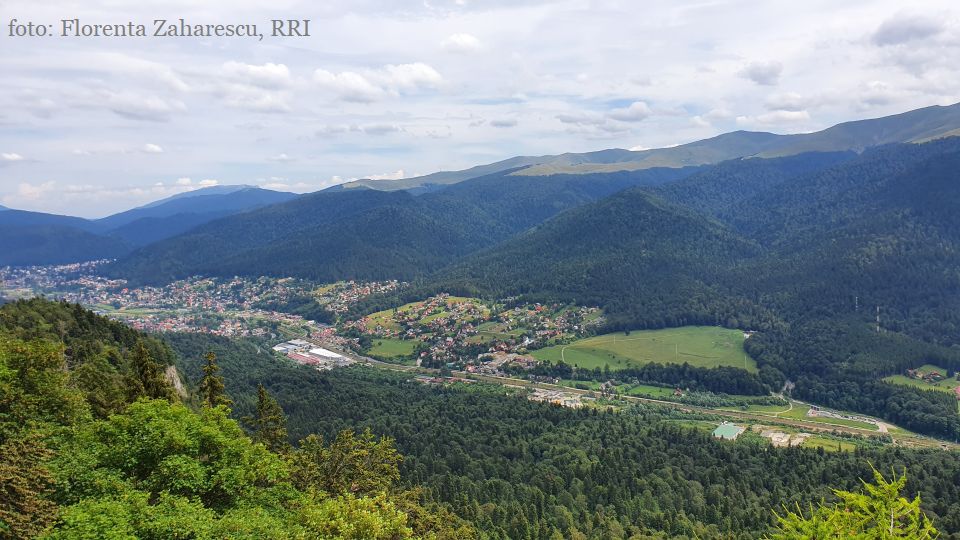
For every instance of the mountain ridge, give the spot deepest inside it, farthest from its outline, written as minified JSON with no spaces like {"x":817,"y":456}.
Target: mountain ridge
{"x":915,"y":126}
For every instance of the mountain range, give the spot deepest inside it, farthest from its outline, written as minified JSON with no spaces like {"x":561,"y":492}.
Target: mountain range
{"x":920,"y":125}
{"x":805,"y":240}
{"x":41,"y":238}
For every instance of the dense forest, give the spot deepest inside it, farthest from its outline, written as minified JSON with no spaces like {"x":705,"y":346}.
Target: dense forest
{"x":133,"y":457}
{"x":520,"y":469}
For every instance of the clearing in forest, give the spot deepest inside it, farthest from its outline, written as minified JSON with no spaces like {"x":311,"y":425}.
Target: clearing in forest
{"x":701,"y":346}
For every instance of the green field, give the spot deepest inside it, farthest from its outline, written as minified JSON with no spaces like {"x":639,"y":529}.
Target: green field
{"x":946,"y":385}
{"x":773,"y":410}
{"x":829,"y":445}
{"x":392,"y":348}
{"x":701,"y":346}
{"x":799,"y":412}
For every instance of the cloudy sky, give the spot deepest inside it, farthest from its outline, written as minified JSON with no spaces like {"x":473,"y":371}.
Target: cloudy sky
{"x":391,"y":88}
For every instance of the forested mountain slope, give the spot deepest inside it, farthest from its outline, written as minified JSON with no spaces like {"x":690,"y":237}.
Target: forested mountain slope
{"x":803,"y":256}
{"x":368,"y":234}
{"x":95,"y":443}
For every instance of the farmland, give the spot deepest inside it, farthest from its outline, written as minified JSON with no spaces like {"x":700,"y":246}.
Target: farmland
{"x":700,"y":346}
{"x":392,"y":348}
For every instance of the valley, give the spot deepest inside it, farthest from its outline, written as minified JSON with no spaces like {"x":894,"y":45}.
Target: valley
{"x":542,"y":334}
{"x":466,"y":337}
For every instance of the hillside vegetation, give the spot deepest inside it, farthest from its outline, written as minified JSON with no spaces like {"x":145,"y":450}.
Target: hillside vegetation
{"x":96,"y":443}
{"x":521,"y":469}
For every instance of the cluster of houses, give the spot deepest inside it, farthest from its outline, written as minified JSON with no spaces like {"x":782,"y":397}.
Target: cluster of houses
{"x":932,"y":376}
{"x":494,"y":362}
{"x":452,"y":328}
{"x":338,"y":297}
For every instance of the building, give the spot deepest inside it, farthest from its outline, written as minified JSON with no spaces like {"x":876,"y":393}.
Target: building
{"x":727,"y":431}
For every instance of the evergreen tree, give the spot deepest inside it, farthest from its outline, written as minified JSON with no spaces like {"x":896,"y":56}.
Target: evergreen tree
{"x":211,"y":386}
{"x":879,"y":512}
{"x":25,"y":482}
{"x":147,"y":378}
{"x":270,"y":424}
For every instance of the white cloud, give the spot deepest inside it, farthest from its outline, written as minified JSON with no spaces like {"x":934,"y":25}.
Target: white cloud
{"x":11,"y":156}
{"x":461,"y":43}
{"x":902,"y":28}
{"x":552,"y":66}
{"x":141,"y":107}
{"x":504,"y":122}
{"x":31,"y":192}
{"x":373,"y":85}
{"x":380,"y":129}
{"x":262,"y":88}
{"x":141,"y":68}
{"x":762,"y":73}
{"x":789,"y":101}
{"x":636,"y":112}
{"x":396,"y":175}
{"x":271,"y":76}
{"x":411,"y":76}
{"x":700,"y":121}
{"x":281,"y":157}
{"x":332,"y":130}
{"x":256,"y":100}
{"x":184,"y":181}
{"x":349,"y":86}
{"x":151,"y":148}
{"x":774,"y":118}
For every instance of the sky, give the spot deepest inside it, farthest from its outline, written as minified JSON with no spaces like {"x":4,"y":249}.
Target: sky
{"x":90,"y":126}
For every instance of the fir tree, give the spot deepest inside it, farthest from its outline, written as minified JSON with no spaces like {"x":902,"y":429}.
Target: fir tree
{"x":879,"y":512}
{"x":147,"y":378}
{"x":211,"y":386}
{"x":269,"y":424}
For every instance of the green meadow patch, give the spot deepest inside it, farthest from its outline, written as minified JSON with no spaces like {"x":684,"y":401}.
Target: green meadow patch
{"x":700,"y":346}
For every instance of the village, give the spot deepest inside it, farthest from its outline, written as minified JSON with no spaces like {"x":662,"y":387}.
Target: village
{"x":234,"y":307}
{"x":469,"y":334}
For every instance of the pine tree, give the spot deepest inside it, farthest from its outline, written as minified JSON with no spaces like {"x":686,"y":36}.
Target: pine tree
{"x":269,"y":424}
{"x":211,"y":386}
{"x":147,"y":378}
